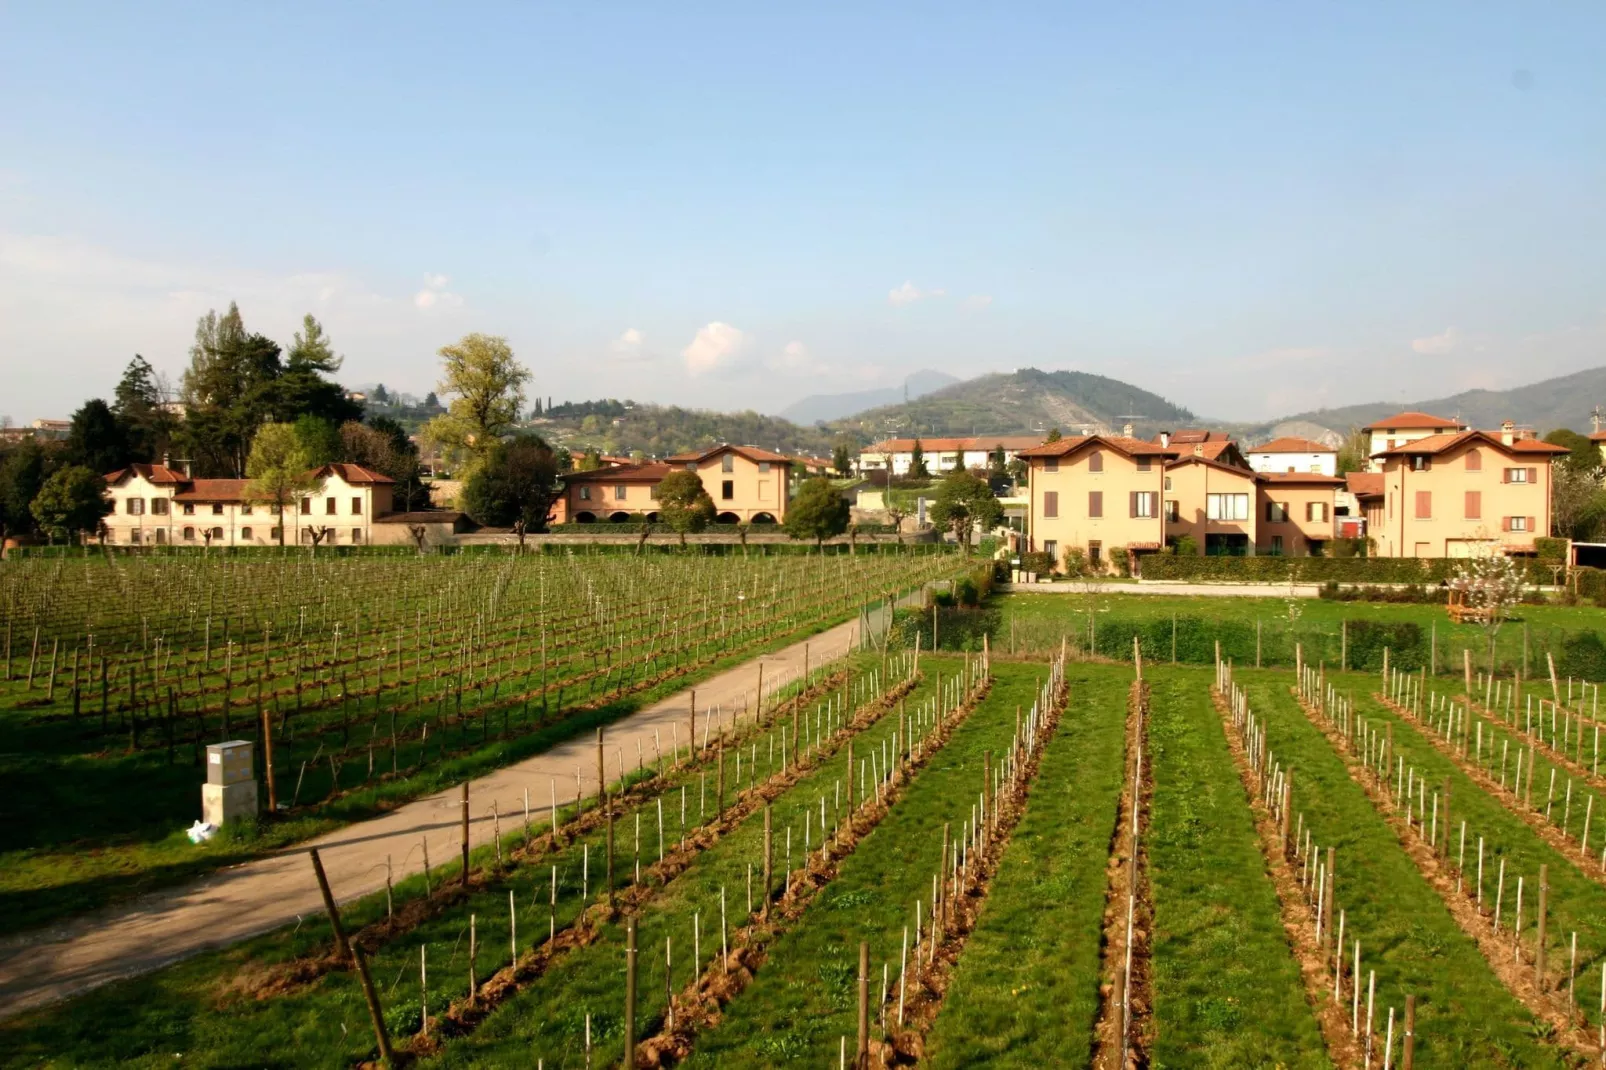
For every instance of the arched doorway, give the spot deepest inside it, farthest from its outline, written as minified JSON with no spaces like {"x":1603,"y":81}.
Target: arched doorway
{"x":763,"y":518}
{"x":585,"y":518}
{"x":727,"y":518}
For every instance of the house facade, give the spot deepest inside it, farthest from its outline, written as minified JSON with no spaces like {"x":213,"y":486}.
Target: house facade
{"x":156,"y":505}
{"x":1212,"y":504}
{"x":1464,"y":493}
{"x":1095,"y":493}
{"x":748,"y":484}
{"x":610,"y":494}
{"x":941,"y":454}
{"x":1403,"y":428}
{"x":1295,"y":513}
{"x":1300,"y":455}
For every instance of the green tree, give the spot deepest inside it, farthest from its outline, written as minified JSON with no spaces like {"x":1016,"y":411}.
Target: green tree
{"x":684,"y":503}
{"x":842,"y":456}
{"x":72,"y":500}
{"x":486,"y":383}
{"x":97,"y":441}
{"x":1053,"y":435}
{"x":383,"y":446}
{"x":1582,"y":454}
{"x":818,"y":512}
{"x":917,"y":462}
{"x":303,"y":389}
{"x":590,"y":461}
{"x":279,"y":471}
{"x":1354,"y":451}
{"x":964,"y":502}
{"x":21,"y":477}
{"x":138,"y":403}
{"x":998,"y":463}
{"x":319,"y":440}
{"x":515,"y":486}
{"x":228,"y":391}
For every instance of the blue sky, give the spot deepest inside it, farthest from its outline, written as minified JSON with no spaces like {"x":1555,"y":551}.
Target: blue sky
{"x":1251,"y":208}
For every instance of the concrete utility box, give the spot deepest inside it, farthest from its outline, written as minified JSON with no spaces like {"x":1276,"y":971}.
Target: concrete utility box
{"x":230,"y":791}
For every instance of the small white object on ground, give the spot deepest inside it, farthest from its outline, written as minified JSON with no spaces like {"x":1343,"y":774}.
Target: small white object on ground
{"x":201,"y":831}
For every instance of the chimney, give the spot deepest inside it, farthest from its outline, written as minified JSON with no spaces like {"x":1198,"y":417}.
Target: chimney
{"x":1508,"y":432}
{"x":167,"y":460}
{"x":1165,"y":439}
{"x":1126,"y":429}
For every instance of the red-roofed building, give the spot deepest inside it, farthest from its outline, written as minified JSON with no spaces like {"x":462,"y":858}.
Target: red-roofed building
{"x":942,"y":454}
{"x":1404,"y":427}
{"x":1294,"y":455}
{"x":748,"y":484}
{"x":1094,"y":493}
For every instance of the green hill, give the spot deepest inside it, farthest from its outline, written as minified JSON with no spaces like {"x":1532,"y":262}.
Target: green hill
{"x":623,"y":427}
{"x":1024,"y":401}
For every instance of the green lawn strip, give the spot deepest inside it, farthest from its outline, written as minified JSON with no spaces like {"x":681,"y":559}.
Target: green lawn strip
{"x":548,"y":1015}
{"x":1465,"y":1016}
{"x":184,"y":999}
{"x":42,"y":884}
{"x":804,"y":999}
{"x":1577,"y":902}
{"x":1026,"y":989}
{"x":1227,"y":991}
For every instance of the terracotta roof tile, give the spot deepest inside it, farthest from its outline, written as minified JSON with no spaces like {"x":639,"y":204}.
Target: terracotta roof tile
{"x":650,"y":472}
{"x":1364,"y":484}
{"x":1442,"y":443}
{"x":1300,"y":477}
{"x":1291,"y":445}
{"x":1412,"y":421}
{"x":752,"y":453}
{"x":213,"y":490}
{"x":955,"y":445}
{"x":1132,"y":447}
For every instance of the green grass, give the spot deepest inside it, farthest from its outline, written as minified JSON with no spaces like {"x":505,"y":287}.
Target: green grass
{"x":1026,"y":989}
{"x":194,"y":1006}
{"x":1465,"y":1017}
{"x":1577,"y":901}
{"x":804,"y":998}
{"x":1227,"y":991}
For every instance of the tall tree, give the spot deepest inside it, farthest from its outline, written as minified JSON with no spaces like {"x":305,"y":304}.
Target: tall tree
{"x":486,"y":384}
{"x":382,"y":445}
{"x":278,"y":471}
{"x":842,"y":456}
{"x":72,"y":500}
{"x":516,"y":486}
{"x":917,"y":462}
{"x":319,"y":439}
{"x":229,"y":389}
{"x":684,"y":503}
{"x":303,"y":388}
{"x":965,"y":502}
{"x":1354,"y":451}
{"x":139,"y":404}
{"x":97,"y":440}
{"x":21,"y":476}
{"x":818,"y":512}
{"x":1582,"y":454}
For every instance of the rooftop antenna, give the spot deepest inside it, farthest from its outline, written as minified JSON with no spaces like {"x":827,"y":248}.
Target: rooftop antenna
{"x":1595,"y":417}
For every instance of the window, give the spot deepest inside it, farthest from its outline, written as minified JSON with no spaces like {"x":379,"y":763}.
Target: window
{"x":275,"y":533}
{"x":1518,"y":523}
{"x":1051,"y":504}
{"x":133,"y":536}
{"x":1145,"y":504}
{"x":1143,"y":464}
{"x":136,"y":507}
{"x":1052,"y":549}
{"x":1474,"y":461}
{"x":727,"y":488}
{"x":727,"y":463}
{"x":159,"y":506}
{"x":217,"y":533}
{"x":356,"y":536}
{"x":1095,"y":461}
{"x":189,"y":534}
{"x":1095,"y":503}
{"x":585,"y":493}
{"x":306,"y":506}
{"x":245,"y":509}
{"x":763,"y":466}
{"x":1167,"y":482}
{"x":1051,"y":464}
{"x":1095,"y":553}
{"x":1173,"y":512}
{"x":1276,"y":546}
{"x":245,"y":533}
{"x":691,"y":466}
{"x":619,"y":492}
{"x":217,"y":508}
{"x":1316,"y":512}
{"x":161,"y":536}
{"x":1276,"y":512}
{"x":276,"y":509}
{"x":329,"y":507}
{"x":356,"y":506}
{"x":1424,"y":505}
{"x":1420,"y":463}
{"x":1226,"y":506}
{"x":1519,"y":475}
{"x":1474,"y":505}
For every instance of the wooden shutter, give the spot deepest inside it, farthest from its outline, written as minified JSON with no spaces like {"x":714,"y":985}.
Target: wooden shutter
{"x":1533,"y":475}
{"x":1132,"y":502}
{"x":1505,"y":523}
{"x":1474,"y":510}
{"x":1533,"y":526}
{"x":1051,"y":504}
{"x":1424,"y":505}
{"x":1095,"y":503}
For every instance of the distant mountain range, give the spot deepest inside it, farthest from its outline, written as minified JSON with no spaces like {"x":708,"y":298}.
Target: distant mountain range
{"x":818,"y":407}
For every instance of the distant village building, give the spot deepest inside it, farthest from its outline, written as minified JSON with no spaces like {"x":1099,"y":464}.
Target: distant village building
{"x":942,"y":454}
{"x":1294,"y":455}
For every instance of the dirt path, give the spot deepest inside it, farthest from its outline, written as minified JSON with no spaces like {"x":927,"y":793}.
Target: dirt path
{"x":43,"y":966}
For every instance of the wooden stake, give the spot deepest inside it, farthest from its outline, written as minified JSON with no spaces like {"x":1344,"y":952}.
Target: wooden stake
{"x":1544,"y":896}
{"x":1408,"y":1057}
{"x":862,"y":1059}
{"x":630,"y":994}
{"x":465,"y":834}
{"x":387,"y":1054}
{"x":329,"y":905}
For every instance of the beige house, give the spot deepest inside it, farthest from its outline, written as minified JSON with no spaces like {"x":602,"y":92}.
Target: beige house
{"x":610,"y":494}
{"x":747,"y":484}
{"x":1405,"y":427}
{"x":1459,"y":494}
{"x":153,"y":504}
{"x":1095,"y":493}
{"x":1213,"y":503}
{"x":1295,"y":512}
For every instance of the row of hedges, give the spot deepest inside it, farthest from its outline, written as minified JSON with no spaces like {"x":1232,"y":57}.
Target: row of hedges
{"x":533,"y":547}
{"x":1267,"y":569}
{"x":636,"y":527}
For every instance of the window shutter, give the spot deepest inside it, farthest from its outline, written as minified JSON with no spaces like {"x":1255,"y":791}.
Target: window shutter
{"x":1505,"y":523}
{"x":1051,"y":504}
{"x":1533,"y":475}
{"x":1474,"y":509}
{"x":1095,"y":503}
{"x":1533,"y":526}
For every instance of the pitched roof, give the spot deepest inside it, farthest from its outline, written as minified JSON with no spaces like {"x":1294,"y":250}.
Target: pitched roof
{"x":1315,"y":478}
{"x":1291,"y":445}
{"x":1194,"y":458}
{"x":1364,"y":484}
{"x":1132,"y":447}
{"x":1442,"y":443}
{"x":354,"y":474}
{"x":1411,"y":421}
{"x":955,"y":445}
{"x":422,"y":516}
{"x":213,"y":490}
{"x":153,"y":473}
{"x":650,"y":472}
{"x":1194,"y":435}
{"x":752,"y":453}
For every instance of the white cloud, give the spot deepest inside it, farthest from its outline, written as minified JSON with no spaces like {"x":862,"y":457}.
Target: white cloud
{"x":794,"y":357}
{"x":715,"y":344}
{"x":435,"y":294}
{"x":631,"y":337}
{"x":629,"y":346}
{"x":1437,"y":345}
{"x":977,"y":302}
{"x":907,"y":294}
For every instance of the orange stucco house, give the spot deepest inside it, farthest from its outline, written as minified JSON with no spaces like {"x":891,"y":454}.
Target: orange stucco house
{"x":1095,"y":493}
{"x":747,"y":484}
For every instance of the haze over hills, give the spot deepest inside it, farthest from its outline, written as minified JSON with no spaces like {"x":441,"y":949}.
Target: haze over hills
{"x":1023,"y":401}
{"x":818,"y":407}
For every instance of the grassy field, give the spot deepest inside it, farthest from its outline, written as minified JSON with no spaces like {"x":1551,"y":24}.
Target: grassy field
{"x":803,"y":1000}
{"x":409,"y":675}
{"x":1227,"y":991}
{"x":1464,"y":1015}
{"x":1026,"y":990}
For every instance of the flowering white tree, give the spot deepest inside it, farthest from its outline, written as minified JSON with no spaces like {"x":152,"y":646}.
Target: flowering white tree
{"x":1490,"y":584}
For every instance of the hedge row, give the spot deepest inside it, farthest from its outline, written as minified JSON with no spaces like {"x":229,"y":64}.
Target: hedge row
{"x":1269,"y":569}
{"x":661,"y":547}
{"x":633,"y":527}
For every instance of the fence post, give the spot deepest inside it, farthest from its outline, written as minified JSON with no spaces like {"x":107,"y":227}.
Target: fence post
{"x":1539,"y":947}
{"x":1408,"y":1057}
{"x":630,"y":994}
{"x":862,"y":1059}
{"x":329,"y":905}
{"x":465,"y":834}
{"x":764,"y":909}
{"x":387,"y":1054}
